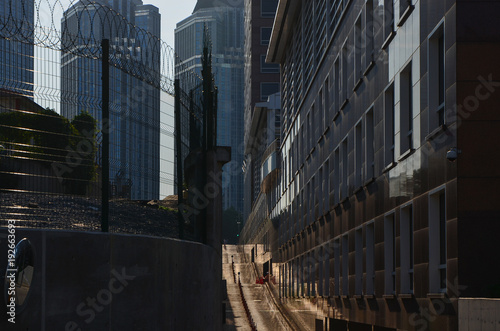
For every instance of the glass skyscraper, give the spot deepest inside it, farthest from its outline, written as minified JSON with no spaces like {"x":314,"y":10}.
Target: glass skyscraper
{"x":225,"y":23}
{"x":134,"y":104}
{"x":16,"y":58}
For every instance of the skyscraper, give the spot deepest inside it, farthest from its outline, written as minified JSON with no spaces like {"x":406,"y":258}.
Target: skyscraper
{"x":134,"y":104}
{"x":224,"y":21}
{"x":16,"y":58}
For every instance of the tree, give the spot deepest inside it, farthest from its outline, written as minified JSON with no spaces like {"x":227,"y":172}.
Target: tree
{"x":84,"y":148}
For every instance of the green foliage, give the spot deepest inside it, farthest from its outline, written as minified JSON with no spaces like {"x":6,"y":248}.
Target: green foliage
{"x":166,"y":208}
{"x":51,"y":139}
{"x":83,"y":145}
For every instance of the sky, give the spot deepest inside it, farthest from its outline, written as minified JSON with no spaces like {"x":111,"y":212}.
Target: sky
{"x":172,"y":12}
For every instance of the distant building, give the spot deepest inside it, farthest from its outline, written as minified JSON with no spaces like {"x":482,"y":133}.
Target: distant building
{"x":263,"y":165}
{"x":134,"y":104}
{"x":16,"y":57}
{"x":262,"y":161}
{"x":261,"y":80}
{"x":224,"y":21}
{"x":388,"y":211}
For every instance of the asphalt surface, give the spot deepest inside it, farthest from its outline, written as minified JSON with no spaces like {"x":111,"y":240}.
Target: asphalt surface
{"x":261,"y":305}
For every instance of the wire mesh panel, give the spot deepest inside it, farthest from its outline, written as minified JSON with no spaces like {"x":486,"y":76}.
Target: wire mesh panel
{"x":52,"y":126}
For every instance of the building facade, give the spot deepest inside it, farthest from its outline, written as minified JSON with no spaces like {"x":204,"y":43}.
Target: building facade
{"x":387,"y":208}
{"x":16,"y":55}
{"x":134,"y":104}
{"x":261,"y":80}
{"x":224,"y":21}
{"x":263,"y":162}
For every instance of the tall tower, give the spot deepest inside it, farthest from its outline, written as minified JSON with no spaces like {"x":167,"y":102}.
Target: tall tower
{"x":17,"y":58}
{"x":134,"y":104}
{"x":224,"y":20}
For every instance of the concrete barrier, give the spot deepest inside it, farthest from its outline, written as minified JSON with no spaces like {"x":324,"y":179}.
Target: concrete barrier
{"x":478,"y":314}
{"x":96,"y":281}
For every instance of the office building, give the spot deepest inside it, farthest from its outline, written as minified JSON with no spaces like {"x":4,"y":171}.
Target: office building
{"x":134,"y":103}
{"x":387,"y":210}
{"x":16,"y":54}
{"x":261,"y":81}
{"x":224,"y":21}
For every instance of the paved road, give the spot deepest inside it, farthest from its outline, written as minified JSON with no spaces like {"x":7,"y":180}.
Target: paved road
{"x":262,"y":308}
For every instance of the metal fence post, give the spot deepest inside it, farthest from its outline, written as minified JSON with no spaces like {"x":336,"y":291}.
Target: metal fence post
{"x":178,"y":145}
{"x":105,"y":136}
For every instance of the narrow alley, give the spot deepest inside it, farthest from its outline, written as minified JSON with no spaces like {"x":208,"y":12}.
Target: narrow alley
{"x":262,"y":308}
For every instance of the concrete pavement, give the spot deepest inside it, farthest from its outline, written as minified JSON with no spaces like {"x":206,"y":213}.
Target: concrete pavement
{"x":262,"y":308}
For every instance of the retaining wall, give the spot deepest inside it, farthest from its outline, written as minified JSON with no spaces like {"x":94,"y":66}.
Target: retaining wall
{"x":96,"y":281}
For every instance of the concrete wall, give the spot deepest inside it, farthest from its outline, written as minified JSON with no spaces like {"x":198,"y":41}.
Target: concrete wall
{"x":478,"y":314}
{"x":96,"y":281}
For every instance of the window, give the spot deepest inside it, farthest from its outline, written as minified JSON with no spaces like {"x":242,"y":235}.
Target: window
{"x":268,"y":8}
{"x":337,"y":176}
{"x":309,"y":132}
{"x":437,"y":242}
{"x":326,"y":271}
{"x":345,"y":265}
{"x":336,"y":253}
{"x":358,"y":48}
{"x":320,"y":195}
{"x":326,"y":190}
{"x":390,"y":254}
{"x":337,"y":87}
{"x":311,"y":277}
{"x":406,"y":248}
{"x":345,"y":169}
{"x":405,"y":9}
{"x":321,"y":112}
{"x":326,"y":103}
{"x":370,"y":258}
{"x":436,"y":79}
{"x":268,"y":68}
{"x":369,"y":34}
{"x":388,"y":19}
{"x":369,"y":146}
{"x":298,"y":284}
{"x":389,"y":125}
{"x":265,"y":35}
{"x":266,"y":89}
{"x":406,"y":110}
{"x":319,"y":271}
{"x":345,"y":75}
{"x":359,"y":262}
{"x":359,"y":155}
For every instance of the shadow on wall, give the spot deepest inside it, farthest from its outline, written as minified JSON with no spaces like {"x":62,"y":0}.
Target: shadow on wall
{"x":98,"y":281}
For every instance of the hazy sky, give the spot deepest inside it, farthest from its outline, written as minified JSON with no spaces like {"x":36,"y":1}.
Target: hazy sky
{"x":172,"y":11}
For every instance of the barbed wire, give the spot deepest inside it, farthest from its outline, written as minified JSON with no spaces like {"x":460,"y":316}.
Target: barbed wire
{"x":84,"y":24}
